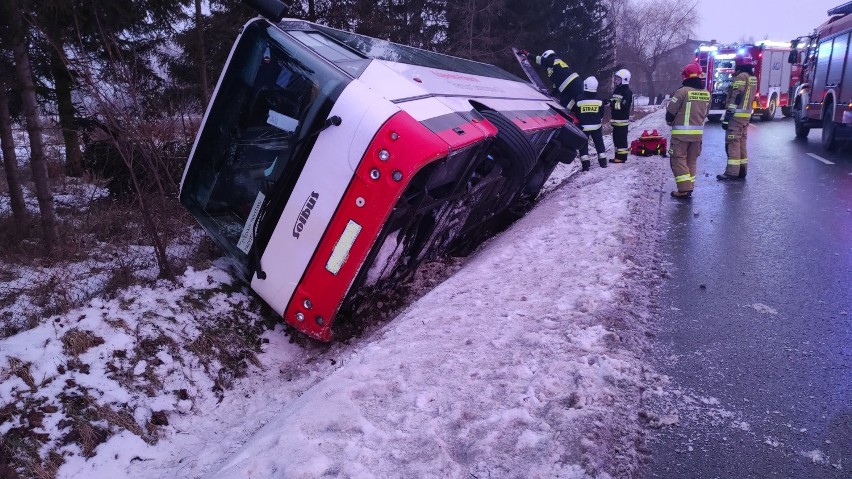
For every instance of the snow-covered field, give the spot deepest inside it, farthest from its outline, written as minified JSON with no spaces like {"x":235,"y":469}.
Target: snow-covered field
{"x":529,"y":361}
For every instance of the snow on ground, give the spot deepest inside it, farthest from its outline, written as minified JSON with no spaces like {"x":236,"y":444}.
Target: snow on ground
{"x":527,"y":362}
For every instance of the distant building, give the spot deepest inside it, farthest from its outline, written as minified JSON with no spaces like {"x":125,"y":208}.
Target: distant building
{"x":667,"y":77}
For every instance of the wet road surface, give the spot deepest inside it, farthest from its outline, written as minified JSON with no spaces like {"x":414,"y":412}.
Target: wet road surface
{"x":756,"y":317}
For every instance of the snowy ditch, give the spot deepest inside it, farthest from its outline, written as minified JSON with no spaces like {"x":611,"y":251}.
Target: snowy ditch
{"x":527,"y":362}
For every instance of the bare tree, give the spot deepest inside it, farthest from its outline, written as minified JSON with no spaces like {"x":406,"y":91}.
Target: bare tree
{"x":118,"y":97}
{"x":38,"y":161}
{"x":649,"y":29}
{"x":202,"y":56}
{"x":10,"y":160}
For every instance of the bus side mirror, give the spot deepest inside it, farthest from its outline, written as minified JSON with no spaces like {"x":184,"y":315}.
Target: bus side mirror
{"x":272,"y":10}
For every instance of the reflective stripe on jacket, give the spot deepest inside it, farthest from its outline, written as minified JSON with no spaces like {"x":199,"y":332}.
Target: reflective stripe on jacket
{"x":741,"y":96}
{"x":622,"y":102}
{"x":689,"y":107}
{"x":590,"y":112}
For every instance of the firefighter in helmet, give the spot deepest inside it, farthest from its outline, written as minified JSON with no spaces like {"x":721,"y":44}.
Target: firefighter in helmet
{"x":686,"y":113}
{"x":737,"y":117}
{"x":620,"y":106}
{"x":589,"y":110}
{"x":566,"y":82}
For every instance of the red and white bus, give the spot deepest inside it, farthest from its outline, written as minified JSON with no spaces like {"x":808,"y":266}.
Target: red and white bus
{"x":329,"y":165}
{"x":823,"y":97}
{"x":771,"y":69}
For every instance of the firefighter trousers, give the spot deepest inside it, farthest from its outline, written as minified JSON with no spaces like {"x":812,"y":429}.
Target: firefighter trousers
{"x":683,"y":155}
{"x":596,"y":136}
{"x":735,"y":146}
{"x":619,"y":141}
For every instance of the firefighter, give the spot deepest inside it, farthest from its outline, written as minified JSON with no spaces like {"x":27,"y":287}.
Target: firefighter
{"x":620,"y":105}
{"x":737,"y":117}
{"x":566,"y":82}
{"x":686,"y":113}
{"x":589,"y":110}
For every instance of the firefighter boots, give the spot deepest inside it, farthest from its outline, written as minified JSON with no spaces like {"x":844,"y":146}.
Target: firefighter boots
{"x":602,"y":161}
{"x":585,"y":165}
{"x":619,"y":158}
{"x":682,"y":195}
{"x":727,"y":177}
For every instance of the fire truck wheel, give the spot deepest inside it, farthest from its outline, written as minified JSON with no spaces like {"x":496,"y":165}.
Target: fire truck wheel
{"x":801,"y":130}
{"x":829,"y":139}
{"x":769,"y":113}
{"x":514,"y":151}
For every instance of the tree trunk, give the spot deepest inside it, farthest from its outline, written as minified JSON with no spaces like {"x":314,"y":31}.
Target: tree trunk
{"x":38,"y":162}
{"x":202,"y":56}
{"x":10,"y":160}
{"x":649,"y":77}
{"x":63,"y":84}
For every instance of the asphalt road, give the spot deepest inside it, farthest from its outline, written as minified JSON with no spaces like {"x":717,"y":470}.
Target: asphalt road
{"x":756,"y":317}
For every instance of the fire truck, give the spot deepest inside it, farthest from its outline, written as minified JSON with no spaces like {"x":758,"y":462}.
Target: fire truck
{"x":330,"y":165}
{"x":823,"y":97}
{"x":772,"y":70}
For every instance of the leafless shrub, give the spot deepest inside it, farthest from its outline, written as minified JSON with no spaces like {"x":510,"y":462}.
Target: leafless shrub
{"x":77,"y":341}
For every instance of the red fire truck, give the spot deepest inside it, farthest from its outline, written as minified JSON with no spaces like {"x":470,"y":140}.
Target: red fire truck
{"x":823,"y":97}
{"x":772,"y":70}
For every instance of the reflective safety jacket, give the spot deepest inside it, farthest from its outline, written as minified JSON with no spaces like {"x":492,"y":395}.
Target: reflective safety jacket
{"x":621,"y":103}
{"x":741,"y":96}
{"x":589,"y":110}
{"x":567,"y":84}
{"x":689,"y":108}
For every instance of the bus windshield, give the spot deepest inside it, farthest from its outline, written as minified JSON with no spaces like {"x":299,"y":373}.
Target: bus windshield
{"x":250,"y":149}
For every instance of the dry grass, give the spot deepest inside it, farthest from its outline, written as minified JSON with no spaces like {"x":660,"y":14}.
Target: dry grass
{"x":123,"y":420}
{"x":20,"y":369}
{"x":76,"y":341}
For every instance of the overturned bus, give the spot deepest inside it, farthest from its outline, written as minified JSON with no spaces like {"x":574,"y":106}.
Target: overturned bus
{"x":329,"y":165}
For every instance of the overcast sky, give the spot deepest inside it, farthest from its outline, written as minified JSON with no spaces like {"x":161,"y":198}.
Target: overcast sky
{"x":731,"y":20}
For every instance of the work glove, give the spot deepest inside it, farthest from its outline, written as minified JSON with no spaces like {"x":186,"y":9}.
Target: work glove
{"x":524,"y":53}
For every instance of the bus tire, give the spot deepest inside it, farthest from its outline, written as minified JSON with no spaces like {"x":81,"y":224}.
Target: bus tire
{"x":517,"y":152}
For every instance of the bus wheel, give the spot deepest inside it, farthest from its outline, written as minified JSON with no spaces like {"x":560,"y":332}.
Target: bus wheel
{"x":769,"y":114}
{"x":829,"y":129}
{"x":516,"y":155}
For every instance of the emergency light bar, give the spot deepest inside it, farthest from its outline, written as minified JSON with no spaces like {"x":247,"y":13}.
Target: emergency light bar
{"x":706,"y":48}
{"x":725,"y":56}
{"x":772,"y":43}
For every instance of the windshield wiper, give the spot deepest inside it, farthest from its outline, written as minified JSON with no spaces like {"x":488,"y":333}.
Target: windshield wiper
{"x":331,"y":121}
